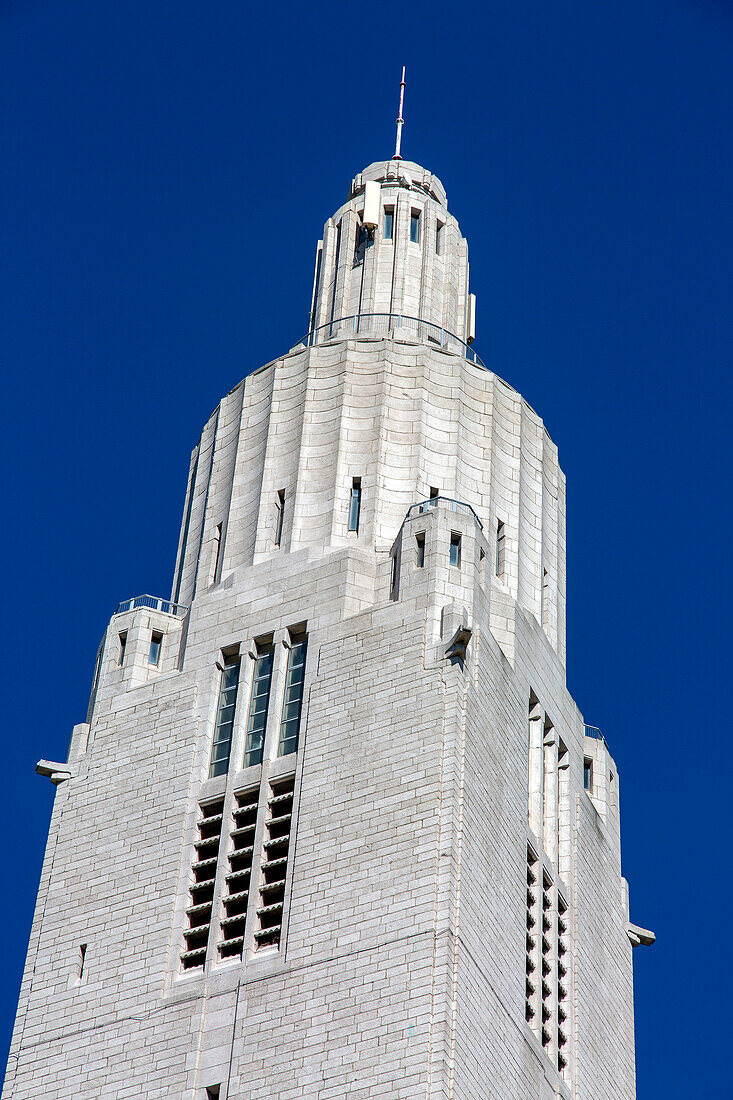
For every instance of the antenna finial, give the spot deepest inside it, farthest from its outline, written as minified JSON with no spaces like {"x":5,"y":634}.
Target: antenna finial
{"x":400,"y":119}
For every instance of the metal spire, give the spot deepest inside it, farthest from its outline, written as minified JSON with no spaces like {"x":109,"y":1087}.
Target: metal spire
{"x":400,"y":119}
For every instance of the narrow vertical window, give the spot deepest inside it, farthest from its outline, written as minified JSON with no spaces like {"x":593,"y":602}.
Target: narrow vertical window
{"x":293,"y":701}
{"x":388,"y":222}
{"x":439,"y":238}
{"x":415,"y":226}
{"x":587,"y":774}
{"x":455,"y":549}
{"x":279,"y":513}
{"x":123,"y":645}
{"x":499,"y":564}
{"x":81,"y":961}
{"x":394,"y":576}
{"x":420,"y":541}
{"x":156,"y":642}
{"x":216,"y":554}
{"x":545,"y":599}
{"x":258,"y":705}
{"x":355,"y":504}
{"x":225,"y":717}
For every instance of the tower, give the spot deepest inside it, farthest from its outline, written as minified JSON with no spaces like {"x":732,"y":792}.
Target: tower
{"x":334,"y":826}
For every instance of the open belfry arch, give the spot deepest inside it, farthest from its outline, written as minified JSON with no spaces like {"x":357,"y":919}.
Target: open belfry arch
{"x":334,"y":826}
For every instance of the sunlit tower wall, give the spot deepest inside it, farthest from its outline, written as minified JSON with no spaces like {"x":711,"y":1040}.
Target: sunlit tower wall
{"x":334,"y":826}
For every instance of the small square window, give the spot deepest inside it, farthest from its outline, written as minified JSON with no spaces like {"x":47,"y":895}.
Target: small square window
{"x":434,"y":492}
{"x":415,"y":226}
{"x":455,"y":549}
{"x":587,"y":774}
{"x":156,"y":642}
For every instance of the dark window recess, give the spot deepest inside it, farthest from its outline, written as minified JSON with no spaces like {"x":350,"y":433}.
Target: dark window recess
{"x":420,"y":542}
{"x":531,"y":979}
{"x":156,"y":642}
{"x":222,"y":745}
{"x":279,"y":514}
{"x":258,"y":705}
{"x":439,"y":238}
{"x":123,"y":646}
{"x":455,"y":549}
{"x":238,"y":879}
{"x":355,"y":504}
{"x":388,"y":222}
{"x":82,"y":960}
{"x":562,"y":984}
{"x":293,"y":701}
{"x":434,"y":492}
{"x":215,"y":557}
{"x":587,"y":774}
{"x":499,"y":564}
{"x":415,"y":226}
{"x":201,"y":890}
{"x":275,"y":863}
{"x":213,"y":1092}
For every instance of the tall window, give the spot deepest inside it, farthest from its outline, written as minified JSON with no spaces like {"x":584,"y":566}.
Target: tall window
{"x":415,"y":226}
{"x":279,"y":513}
{"x":500,"y":549}
{"x":420,"y":540}
{"x":156,"y":641}
{"x":123,"y":646}
{"x":455,"y":549}
{"x":293,"y":701}
{"x":388,"y":222}
{"x":545,"y":599}
{"x":439,"y":238}
{"x":355,"y":504}
{"x":587,"y":774}
{"x":216,"y":554}
{"x":258,"y":705}
{"x":222,"y":746}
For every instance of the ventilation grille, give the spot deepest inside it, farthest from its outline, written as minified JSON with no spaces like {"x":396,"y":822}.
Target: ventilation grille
{"x":201,"y":891}
{"x":239,"y":875}
{"x":562,"y":984}
{"x":275,"y":864}
{"x":531,"y":997}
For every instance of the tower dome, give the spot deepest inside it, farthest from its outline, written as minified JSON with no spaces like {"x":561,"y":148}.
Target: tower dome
{"x":391,"y":255}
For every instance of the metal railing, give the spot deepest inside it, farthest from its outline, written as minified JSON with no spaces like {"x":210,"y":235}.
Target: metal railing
{"x":454,"y":506}
{"x":595,"y":733}
{"x":385,"y":324}
{"x":155,"y":603}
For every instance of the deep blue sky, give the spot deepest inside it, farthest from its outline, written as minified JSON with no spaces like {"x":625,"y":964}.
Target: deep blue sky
{"x":166,"y":170}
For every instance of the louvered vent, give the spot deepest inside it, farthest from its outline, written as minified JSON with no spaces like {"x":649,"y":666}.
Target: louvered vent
{"x":530,"y":1009}
{"x":275,"y":863}
{"x":238,"y":878}
{"x":201,"y":891}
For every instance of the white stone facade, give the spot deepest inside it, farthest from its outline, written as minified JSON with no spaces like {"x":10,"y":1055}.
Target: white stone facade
{"x":423,"y":900}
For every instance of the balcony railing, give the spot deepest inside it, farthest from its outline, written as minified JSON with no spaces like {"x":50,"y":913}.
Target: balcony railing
{"x":595,"y":733}
{"x":385,"y":324}
{"x":453,"y":505}
{"x":155,"y":603}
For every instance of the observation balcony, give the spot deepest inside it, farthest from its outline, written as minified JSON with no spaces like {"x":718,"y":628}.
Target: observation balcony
{"x":155,"y":603}
{"x":452,"y":505}
{"x":390,"y":324}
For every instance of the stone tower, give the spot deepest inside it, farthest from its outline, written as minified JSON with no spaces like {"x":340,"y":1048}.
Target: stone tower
{"x":334,"y":826}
